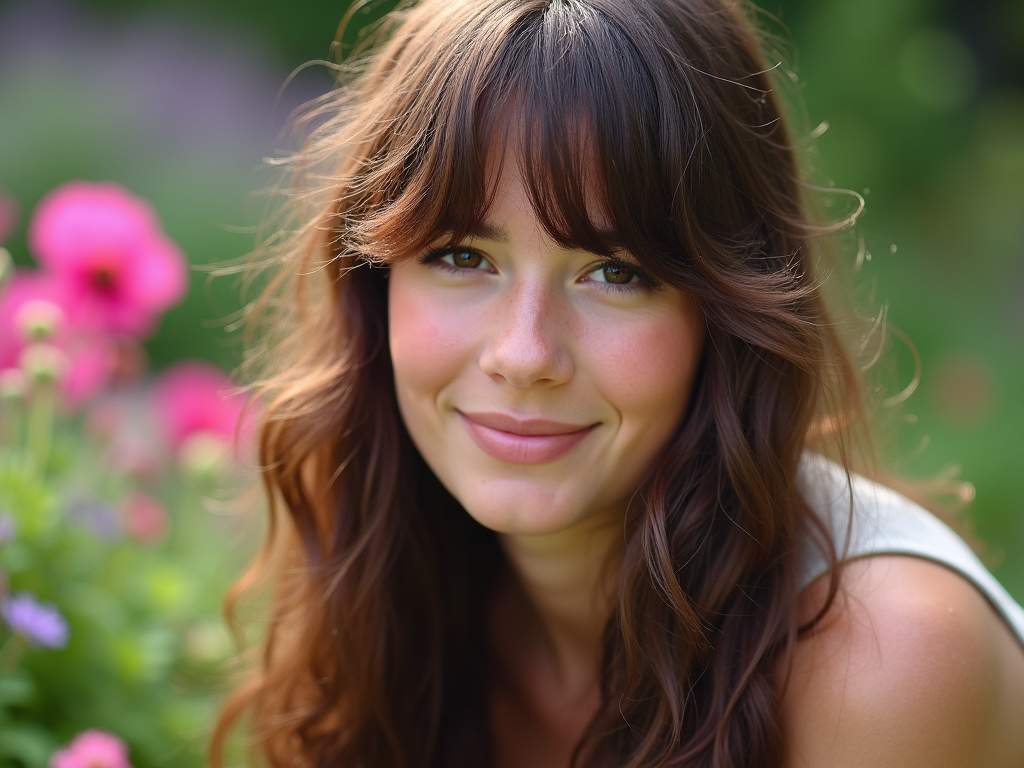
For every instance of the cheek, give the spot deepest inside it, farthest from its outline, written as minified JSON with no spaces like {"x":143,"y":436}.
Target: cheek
{"x":425,"y":336}
{"x":646,"y":370}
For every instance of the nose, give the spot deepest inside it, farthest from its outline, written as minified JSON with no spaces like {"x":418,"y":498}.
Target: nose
{"x":524,"y":347}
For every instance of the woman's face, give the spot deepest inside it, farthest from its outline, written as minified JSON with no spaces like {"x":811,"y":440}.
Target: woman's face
{"x":538,"y":383}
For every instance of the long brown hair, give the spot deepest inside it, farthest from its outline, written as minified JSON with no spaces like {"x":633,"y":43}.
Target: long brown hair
{"x":375,"y":652}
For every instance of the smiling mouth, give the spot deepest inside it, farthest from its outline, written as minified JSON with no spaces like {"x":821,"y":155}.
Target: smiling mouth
{"x":523,"y":441}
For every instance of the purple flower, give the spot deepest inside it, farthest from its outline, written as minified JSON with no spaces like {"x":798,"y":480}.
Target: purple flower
{"x":39,"y":623}
{"x":97,"y":515}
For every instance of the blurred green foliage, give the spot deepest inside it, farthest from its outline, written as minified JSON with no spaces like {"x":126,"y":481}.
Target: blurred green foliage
{"x":924,"y":103}
{"x":146,"y":645}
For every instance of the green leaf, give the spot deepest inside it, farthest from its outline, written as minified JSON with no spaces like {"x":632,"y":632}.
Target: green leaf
{"x":28,"y":744}
{"x":16,"y":688}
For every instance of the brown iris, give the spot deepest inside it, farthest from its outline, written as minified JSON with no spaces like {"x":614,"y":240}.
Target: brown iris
{"x":619,"y":274}
{"x":466,"y":259}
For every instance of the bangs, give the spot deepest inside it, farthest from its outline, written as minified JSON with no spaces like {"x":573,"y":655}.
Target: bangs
{"x":569,"y":97}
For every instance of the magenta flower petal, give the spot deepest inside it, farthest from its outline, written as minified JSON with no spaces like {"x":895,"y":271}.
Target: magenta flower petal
{"x":92,"y":749}
{"x":196,"y":397}
{"x":106,"y":245}
{"x":160,"y":280}
{"x":81,"y":222}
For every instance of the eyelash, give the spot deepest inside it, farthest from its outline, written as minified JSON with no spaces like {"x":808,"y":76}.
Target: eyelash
{"x":435,"y":257}
{"x":645,"y":281}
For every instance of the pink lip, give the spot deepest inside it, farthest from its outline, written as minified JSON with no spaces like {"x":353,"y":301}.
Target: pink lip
{"x":523,"y":441}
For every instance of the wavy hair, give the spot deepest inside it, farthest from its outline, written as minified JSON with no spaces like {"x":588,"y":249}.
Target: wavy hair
{"x":375,"y":652}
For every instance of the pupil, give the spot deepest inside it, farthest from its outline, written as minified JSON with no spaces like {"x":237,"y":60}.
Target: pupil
{"x":618,"y":275}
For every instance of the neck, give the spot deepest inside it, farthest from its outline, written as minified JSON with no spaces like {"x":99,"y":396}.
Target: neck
{"x":565,"y":589}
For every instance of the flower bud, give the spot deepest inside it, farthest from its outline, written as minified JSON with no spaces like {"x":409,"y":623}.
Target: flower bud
{"x":13,"y":385}
{"x":39,"y":320}
{"x":202,"y":455}
{"x":43,"y":362}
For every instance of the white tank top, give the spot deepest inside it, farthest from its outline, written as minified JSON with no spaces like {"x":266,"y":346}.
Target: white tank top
{"x":886,"y":523}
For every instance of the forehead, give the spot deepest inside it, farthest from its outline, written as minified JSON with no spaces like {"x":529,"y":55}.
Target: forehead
{"x":568,"y":104}
{"x":522,"y":183}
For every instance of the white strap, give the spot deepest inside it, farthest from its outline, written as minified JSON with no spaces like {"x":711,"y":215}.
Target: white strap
{"x":886,"y":523}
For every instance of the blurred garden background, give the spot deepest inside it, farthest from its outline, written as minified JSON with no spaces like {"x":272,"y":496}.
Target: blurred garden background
{"x":917,"y":104}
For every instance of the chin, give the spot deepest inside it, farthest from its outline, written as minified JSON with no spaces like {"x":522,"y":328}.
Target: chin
{"x":518,"y":508}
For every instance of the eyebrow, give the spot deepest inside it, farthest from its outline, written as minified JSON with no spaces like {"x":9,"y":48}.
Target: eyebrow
{"x":499,"y":234}
{"x":489,"y":231}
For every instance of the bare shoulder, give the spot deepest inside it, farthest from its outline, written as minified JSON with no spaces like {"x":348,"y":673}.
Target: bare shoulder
{"x":911,"y":667}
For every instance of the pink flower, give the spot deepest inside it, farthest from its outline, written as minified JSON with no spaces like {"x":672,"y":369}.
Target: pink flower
{"x":92,"y":361}
{"x":106,"y":246}
{"x":195,"y":397}
{"x":92,"y":355}
{"x":144,"y":518}
{"x":92,"y":749}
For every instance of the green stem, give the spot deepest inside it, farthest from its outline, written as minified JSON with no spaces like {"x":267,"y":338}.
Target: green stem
{"x":40,"y":426}
{"x":10,"y":426}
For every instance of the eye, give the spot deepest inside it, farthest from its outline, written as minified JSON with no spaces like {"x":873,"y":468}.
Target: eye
{"x":619,"y":275}
{"x":462,"y":258}
{"x":615,"y":273}
{"x":458,"y":260}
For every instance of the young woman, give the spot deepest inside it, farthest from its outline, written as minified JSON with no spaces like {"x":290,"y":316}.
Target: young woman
{"x":548,"y":408}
